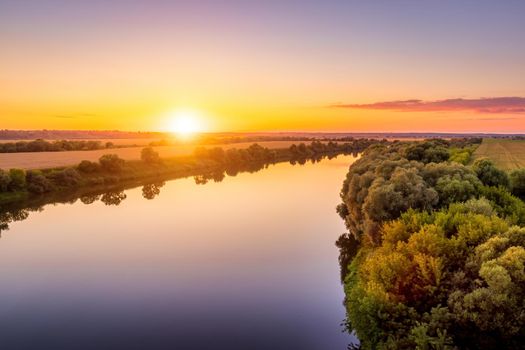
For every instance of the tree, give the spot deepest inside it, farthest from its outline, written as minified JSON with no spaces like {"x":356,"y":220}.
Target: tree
{"x":86,"y":166}
{"x":455,"y":275}
{"x":431,"y":260}
{"x":149,"y":155}
{"x":18,"y":179}
{"x":111,"y":162}
{"x":217,"y":154}
{"x":65,"y":177}
{"x":427,"y":152}
{"x":490,"y":175}
{"x":37,"y":182}
{"x":517,"y":182}
{"x":5,"y":180}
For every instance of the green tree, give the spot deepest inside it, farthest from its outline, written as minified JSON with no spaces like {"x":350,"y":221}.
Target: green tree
{"x":5,"y":180}
{"x":18,"y":179}
{"x":65,"y":177}
{"x":490,"y":175}
{"x":517,"y":181}
{"x":453,"y":276}
{"x":37,"y":182}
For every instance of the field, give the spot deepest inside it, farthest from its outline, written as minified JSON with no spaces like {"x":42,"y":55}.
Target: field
{"x":117,"y":142}
{"x":39,"y":160}
{"x":506,"y":154}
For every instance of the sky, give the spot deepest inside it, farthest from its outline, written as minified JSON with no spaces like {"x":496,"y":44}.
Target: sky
{"x":362,"y":66}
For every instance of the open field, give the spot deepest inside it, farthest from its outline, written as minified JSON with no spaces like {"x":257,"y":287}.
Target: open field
{"x":506,"y":154}
{"x":117,"y":142}
{"x":39,"y":160}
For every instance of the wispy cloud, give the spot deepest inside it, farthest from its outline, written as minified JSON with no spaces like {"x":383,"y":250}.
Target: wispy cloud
{"x":495,"y":105}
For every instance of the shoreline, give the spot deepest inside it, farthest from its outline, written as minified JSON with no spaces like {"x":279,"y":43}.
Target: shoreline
{"x":209,"y":163}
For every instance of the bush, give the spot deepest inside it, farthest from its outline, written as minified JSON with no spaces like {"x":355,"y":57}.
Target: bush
{"x":461,"y":155}
{"x":490,"y":175}
{"x":111,"y":162}
{"x":5,"y":180}
{"x":149,"y":155}
{"x":66,"y":177}
{"x":517,"y":182}
{"x":427,"y":152}
{"x":86,"y":166}
{"x":18,"y":179}
{"x":37,"y":182}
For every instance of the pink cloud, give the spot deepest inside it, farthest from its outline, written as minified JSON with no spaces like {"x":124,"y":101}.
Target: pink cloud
{"x":493,"y":105}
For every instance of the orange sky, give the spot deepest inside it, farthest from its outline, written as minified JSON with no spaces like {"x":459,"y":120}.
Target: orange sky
{"x":274,"y":66}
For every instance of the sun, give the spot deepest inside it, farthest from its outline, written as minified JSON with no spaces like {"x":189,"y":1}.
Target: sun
{"x":185,"y":123}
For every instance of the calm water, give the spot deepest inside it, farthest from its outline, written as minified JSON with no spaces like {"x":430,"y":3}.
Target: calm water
{"x":247,"y":263}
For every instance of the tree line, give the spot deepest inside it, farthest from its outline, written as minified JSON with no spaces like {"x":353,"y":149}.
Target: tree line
{"x":40,"y":145}
{"x":435,"y":250}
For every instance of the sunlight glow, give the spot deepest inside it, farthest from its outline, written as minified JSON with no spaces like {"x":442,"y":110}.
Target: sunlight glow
{"x":185,"y":122}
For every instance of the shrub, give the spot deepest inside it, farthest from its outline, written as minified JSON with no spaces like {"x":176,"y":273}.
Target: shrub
{"x":86,"y":166}
{"x":5,"y":180}
{"x":490,"y":175}
{"x":18,"y":179}
{"x":37,"y":182}
{"x":149,"y":155}
{"x":461,"y":155}
{"x":517,"y":182}
{"x":111,"y":162}
{"x":66,"y":177}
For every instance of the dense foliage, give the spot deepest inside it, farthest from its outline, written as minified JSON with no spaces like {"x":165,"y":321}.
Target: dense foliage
{"x":435,"y":254}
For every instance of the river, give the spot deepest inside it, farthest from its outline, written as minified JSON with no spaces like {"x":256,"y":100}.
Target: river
{"x":245,"y":263}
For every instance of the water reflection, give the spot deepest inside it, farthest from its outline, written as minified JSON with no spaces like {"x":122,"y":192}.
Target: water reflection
{"x":150,"y":191}
{"x":116,"y":195}
{"x":113,"y":197}
{"x":257,"y":271}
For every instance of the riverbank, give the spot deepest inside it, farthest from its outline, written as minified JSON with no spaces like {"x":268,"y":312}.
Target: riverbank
{"x":210,"y":163}
{"x":430,"y":240}
{"x":40,"y":160}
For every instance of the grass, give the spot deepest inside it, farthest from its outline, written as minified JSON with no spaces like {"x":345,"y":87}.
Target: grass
{"x":506,"y":154}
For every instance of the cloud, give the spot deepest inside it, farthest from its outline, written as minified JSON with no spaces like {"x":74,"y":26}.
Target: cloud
{"x":490,"y":105}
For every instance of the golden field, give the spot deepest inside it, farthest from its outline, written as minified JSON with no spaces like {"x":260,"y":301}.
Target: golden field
{"x":40,"y":160}
{"x":506,"y":154}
